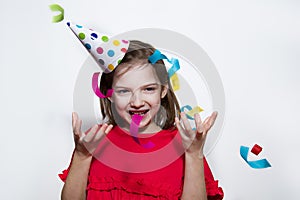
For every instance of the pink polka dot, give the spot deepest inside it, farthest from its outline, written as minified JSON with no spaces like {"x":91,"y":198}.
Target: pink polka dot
{"x":125,"y":41}
{"x":124,"y":50}
{"x":99,"y":50}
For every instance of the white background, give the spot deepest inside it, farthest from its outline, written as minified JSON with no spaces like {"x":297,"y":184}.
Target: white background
{"x":255,"y":46}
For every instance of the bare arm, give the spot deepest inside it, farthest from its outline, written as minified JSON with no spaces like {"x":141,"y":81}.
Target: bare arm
{"x":76,"y":182}
{"x":85,"y":144}
{"x":194,"y":182}
{"x":193,"y":141}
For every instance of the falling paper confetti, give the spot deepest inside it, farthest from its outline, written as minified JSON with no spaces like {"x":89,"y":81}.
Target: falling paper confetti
{"x":175,"y":82}
{"x":191,"y":111}
{"x":256,"y":149}
{"x":175,"y":66}
{"x":134,"y":128}
{"x":96,"y":87}
{"x":157,"y":55}
{"x":257,"y":164}
{"x":59,"y":17}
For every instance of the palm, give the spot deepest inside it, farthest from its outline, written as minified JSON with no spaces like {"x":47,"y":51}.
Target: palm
{"x":86,"y":143}
{"x":193,"y":140}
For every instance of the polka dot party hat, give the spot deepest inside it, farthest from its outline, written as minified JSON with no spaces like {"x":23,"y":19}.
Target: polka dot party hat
{"x":108,"y":52}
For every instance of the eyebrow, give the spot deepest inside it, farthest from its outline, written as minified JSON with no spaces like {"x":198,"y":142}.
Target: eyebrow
{"x":146,"y":85}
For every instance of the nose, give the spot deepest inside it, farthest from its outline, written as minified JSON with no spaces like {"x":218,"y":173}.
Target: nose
{"x":136,"y":100}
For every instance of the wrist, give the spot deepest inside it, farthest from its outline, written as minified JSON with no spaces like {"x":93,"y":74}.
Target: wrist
{"x":82,"y":157}
{"x":194,"y":155}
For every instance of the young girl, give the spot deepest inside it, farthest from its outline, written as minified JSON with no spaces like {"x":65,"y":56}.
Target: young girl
{"x":143,"y":90}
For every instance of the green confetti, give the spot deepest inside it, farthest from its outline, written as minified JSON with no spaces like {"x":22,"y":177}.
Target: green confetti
{"x":60,"y":17}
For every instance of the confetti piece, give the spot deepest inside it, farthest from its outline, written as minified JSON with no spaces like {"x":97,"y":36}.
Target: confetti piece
{"x":134,"y":128}
{"x":157,"y":55}
{"x":256,"y":149}
{"x":258,"y":164}
{"x":195,"y":110}
{"x":96,"y":87}
{"x":175,"y":67}
{"x":59,"y":17}
{"x":191,"y":111}
{"x":175,"y":82}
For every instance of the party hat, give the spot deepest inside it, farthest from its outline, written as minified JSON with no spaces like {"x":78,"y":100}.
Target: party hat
{"x":108,"y":52}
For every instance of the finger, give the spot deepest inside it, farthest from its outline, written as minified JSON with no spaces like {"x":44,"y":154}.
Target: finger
{"x":178,"y":125}
{"x":76,"y":137}
{"x":108,"y":129}
{"x":198,"y":119}
{"x":186,"y":124}
{"x":90,"y":134}
{"x":180,"y":129}
{"x":73,"y":120}
{"x":105,"y":129}
{"x":77,"y":125}
{"x":211,"y":120}
{"x":198,"y":123}
{"x":214,"y":116}
{"x":101,"y":132}
{"x":78,"y":131}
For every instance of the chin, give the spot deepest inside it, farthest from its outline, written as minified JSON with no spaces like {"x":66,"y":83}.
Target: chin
{"x":144,"y":124}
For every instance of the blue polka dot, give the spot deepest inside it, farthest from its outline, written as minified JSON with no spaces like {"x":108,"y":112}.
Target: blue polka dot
{"x":110,"y":53}
{"x":88,"y":46}
{"x":78,"y":26}
{"x":68,"y":23}
{"x":94,"y":36}
{"x":101,"y":61}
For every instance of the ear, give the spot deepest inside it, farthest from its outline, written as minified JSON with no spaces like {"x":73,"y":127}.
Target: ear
{"x":164,"y":91}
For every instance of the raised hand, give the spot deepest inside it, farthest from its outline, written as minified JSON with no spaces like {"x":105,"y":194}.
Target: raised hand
{"x":193,"y":140}
{"x":86,"y":143}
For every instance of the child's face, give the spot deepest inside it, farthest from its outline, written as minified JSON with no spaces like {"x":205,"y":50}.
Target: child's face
{"x":137,"y":90}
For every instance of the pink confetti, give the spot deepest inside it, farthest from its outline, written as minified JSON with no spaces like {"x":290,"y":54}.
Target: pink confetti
{"x":96,"y":87}
{"x":134,"y":128}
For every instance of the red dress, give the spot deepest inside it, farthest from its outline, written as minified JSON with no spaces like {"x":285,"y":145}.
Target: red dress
{"x":127,"y":182}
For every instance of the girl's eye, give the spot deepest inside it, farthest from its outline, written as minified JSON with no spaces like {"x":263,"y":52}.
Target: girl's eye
{"x":150,"y":89}
{"x":122,"y":91}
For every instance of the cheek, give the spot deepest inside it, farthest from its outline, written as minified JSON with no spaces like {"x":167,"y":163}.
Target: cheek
{"x":120,"y":103}
{"x":154,"y":100}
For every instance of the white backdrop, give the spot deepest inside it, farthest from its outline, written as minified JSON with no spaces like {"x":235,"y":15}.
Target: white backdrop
{"x":255,"y":46}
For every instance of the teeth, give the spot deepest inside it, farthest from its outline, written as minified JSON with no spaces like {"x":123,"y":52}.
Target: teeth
{"x":138,"y":112}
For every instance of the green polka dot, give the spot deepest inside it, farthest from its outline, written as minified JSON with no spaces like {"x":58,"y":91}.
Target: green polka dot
{"x":119,"y":61}
{"x":81,"y":36}
{"x":104,"y":38}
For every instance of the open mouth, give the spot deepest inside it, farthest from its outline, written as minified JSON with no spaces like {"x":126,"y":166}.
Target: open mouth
{"x":138,"y":112}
